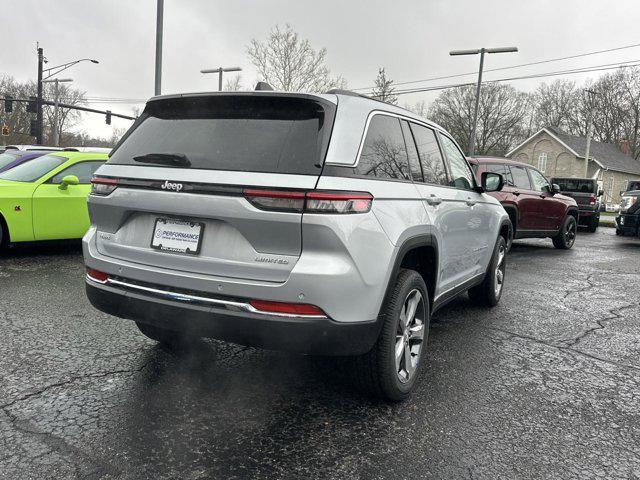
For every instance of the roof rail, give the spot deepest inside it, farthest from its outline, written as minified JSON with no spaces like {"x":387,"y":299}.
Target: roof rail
{"x":263,"y":86}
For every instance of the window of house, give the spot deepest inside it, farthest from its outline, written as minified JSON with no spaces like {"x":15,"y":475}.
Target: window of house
{"x":542,"y":162}
{"x":384,"y":154}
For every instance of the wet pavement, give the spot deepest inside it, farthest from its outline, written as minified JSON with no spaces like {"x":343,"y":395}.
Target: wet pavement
{"x":545,"y":385}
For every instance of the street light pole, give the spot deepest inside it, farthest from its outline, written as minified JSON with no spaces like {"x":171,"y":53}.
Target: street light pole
{"x":56,"y":100}
{"x":481,"y":51}
{"x":591,"y":93}
{"x":39,"y":98}
{"x":219,"y":72}
{"x":159,"y":20}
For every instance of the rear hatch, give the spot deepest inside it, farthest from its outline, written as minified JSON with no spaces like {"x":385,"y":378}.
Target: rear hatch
{"x":210,"y":184}
{"x":582,"y":190}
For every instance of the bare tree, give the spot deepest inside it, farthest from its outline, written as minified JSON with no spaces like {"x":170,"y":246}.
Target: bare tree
{"x":558,"y":105}
{"x":501,"y":118}
{"x":419,"y":108}
{"x":289,"y":63}
{"x":383,"y":89}
{"x":233,"y":84}
{"x":67,"y":117}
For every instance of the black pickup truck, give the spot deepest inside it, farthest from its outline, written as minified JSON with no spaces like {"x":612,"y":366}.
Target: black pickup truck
{"x":628,"y":220}
{"x":586,"y":194}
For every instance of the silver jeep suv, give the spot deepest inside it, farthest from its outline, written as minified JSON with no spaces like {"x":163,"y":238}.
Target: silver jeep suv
{"x":323,"y":224}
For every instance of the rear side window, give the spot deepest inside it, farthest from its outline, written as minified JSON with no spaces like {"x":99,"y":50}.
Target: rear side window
{"x":384,"y":154}
{"x":520,"y":177}
{"x":414,"y":162}
{"x":430,"y":157}
{"x":461,"y":175}
{"x":234,"y":132}
{"x":502,"y":170}
{"x":576,"y":185}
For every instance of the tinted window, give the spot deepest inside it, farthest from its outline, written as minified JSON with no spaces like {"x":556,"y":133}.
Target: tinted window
{"x":540,"y":184}
{"x":502,"y":170}
{"x":234,"y":132}
{"x":32,"y":170}
{"x":576,"y":185}
{"x":414,"y":162}
{"x":520,"y":177}
{"x":461,"y":176}
{"x":384,"y":154}
{"x":430,"y":157}
{"x":83,"y":170}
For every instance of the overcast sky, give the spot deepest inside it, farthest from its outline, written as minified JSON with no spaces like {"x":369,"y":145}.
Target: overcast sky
{"x":410,"y":38}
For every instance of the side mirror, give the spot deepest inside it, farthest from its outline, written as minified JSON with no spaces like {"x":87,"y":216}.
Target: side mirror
{"x":68,"y":180}
{"x":555,"y":188}
{"x":492,"y":182}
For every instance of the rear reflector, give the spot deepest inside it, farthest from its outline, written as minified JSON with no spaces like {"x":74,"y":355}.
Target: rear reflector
{"x":316,"y":201}
{"x":97,"y":275}
{"x":103,"y":186}
{"x":289,"y":308}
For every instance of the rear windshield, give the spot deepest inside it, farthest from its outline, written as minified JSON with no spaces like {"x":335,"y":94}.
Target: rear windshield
{"x":576,"y":185}
{"x":244,"y":133}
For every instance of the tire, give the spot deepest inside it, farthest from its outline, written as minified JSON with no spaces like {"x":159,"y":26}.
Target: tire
{"x":488,"y":293}
{"x":4,"y":235}
{"x":593,"y":223}
{"x":566,"y":237}
{"x":618,"y":232}
{"x":377,"y":372}
{"x":171,"y":339}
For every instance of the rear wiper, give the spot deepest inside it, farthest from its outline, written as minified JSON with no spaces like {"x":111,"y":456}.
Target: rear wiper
{"x":171,"y":159}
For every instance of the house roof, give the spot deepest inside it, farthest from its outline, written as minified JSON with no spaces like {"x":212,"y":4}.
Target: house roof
{"x":607,"y":155}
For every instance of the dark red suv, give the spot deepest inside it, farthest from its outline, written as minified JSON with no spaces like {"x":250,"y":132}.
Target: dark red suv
{"x":536,"y":208}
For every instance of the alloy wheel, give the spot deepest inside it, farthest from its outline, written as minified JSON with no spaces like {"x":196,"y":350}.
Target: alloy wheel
{"x":570,"y":233}
{"x":410,"y":335}
{"x":499,"y":271}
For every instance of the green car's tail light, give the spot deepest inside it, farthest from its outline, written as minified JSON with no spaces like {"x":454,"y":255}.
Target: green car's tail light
{"x":103,"y":186}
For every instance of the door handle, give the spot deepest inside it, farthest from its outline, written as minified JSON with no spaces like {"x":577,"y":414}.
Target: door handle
{"x":516,"y":193}
{"x":471,"y":202}
{"x":433,"y":200}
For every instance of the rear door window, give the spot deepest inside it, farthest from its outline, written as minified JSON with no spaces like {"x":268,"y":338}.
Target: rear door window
{"x":502,"y":170}
{"x":384,"y":154}
{"x":520,"y":177}
{"x":253,"y":133}
{"x":430,"y":156}
{"x":412,"y":153}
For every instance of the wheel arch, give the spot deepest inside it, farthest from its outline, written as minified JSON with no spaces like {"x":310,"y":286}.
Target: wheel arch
{"x":5,"y":238}
{"x":512,"y":211}
{"x":419,"y":253}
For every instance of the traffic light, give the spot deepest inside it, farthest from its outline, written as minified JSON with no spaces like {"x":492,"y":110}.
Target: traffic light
{"x":33,"y":129}
{"x":8,"y":104}
{"x":108,"y":117}
{"x":32,"y":105}
{"x":5,"y":130}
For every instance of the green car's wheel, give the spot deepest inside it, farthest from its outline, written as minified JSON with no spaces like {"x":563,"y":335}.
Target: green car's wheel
{"x":4,"y":234}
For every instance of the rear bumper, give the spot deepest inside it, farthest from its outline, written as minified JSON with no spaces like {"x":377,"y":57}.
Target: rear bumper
{"x":318,"y":336}
{"x":628,"y":224}
{"x":586,"y":215}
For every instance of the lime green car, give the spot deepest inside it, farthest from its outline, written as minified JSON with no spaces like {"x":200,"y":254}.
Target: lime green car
{"x":46,"y":198}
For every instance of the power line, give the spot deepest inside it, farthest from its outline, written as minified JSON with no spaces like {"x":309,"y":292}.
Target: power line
{"x":539,"y":62}
{"x":597,"y":68}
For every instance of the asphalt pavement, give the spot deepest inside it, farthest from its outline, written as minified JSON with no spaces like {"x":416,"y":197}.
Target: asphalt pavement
{"x":545,"y":385}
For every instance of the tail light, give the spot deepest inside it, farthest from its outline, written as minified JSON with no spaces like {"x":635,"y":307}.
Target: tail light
{"x":316,"y":201}
{"x":103,"y":186}
{"x":592,"y":200}
{"x":287,"y":308}
{"x":97,"y":275}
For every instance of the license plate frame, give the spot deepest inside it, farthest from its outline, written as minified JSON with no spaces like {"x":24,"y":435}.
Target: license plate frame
{"x":183,"y":226}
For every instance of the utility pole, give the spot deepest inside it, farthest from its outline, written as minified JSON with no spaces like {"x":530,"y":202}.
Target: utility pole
{"x":219,"y":71}
{"x":159,"y":19}
{"x":591,"y":93}
{"x":56,"y":108}
{"x":39,"y":98}
{"x":481,"y":51}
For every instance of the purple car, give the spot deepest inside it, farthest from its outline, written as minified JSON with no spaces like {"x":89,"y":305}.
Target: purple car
{"x":12,"y":158}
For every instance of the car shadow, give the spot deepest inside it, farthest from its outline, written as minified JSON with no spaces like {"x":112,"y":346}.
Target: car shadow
{"x":43,"y":249}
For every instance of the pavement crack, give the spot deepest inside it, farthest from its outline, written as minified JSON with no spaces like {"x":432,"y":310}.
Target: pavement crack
{"x":564,"y":347}
{"x":614,"y":314}
{"x":586,"y":288}
{"x":70,"y":381}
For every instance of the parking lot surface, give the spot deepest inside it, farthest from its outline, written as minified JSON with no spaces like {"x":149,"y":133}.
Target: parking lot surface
{"x":545,"y":385}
